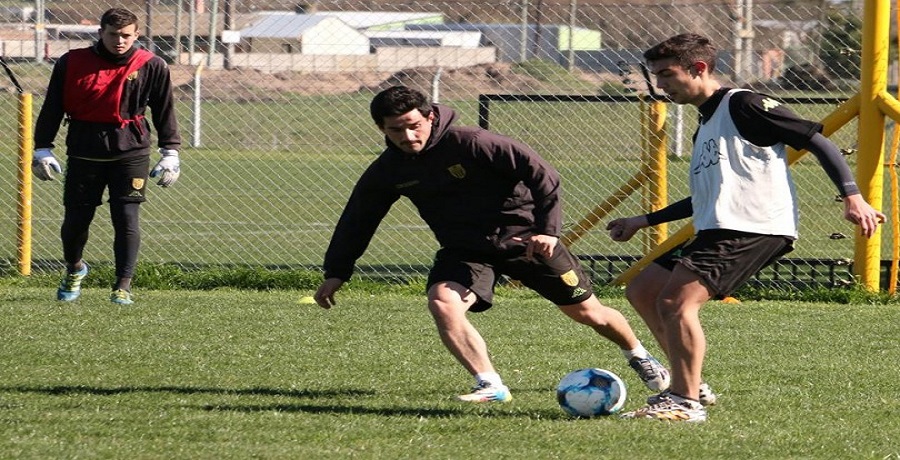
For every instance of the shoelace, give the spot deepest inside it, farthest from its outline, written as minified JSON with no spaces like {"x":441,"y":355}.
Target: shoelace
{"x":72,"y":279}
{"x":647,"y":368}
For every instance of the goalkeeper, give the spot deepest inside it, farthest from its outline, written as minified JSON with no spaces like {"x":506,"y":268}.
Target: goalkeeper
{"x":103,"y":92}
{"x":494,"y":207}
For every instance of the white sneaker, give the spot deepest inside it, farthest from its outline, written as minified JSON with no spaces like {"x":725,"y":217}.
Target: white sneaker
{"x":707,"y":397}
{"x":654,"y":375}
{"x":486,"y":392}
{"x":670,"y":407}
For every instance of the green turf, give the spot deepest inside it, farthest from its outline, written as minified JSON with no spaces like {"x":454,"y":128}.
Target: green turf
{"x":246,"y":374}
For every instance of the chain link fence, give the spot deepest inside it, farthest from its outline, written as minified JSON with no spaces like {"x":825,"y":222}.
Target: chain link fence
{"x":273,"y":108}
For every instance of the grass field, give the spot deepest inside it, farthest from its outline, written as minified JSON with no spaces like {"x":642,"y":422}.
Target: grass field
{"x":246,"y":374}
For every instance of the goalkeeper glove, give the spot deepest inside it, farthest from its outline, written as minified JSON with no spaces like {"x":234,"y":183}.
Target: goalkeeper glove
{"x":168,"y":168}
{"x":43,"y":164}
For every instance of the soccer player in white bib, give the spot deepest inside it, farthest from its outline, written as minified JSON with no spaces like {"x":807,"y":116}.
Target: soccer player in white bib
{"x":744,"y":210}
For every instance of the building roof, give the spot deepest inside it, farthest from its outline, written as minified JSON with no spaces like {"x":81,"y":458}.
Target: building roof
{"x":368,"y":19}
{"x":282,"y":25}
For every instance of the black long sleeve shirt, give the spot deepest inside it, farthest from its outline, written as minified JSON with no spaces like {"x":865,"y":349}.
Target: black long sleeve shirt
{"x":152,"y":88}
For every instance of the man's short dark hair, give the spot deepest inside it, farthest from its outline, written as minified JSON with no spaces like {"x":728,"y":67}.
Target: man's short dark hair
{"x":396,"y":101}
{"x":118,"y":18}
{"x":686,"y":49}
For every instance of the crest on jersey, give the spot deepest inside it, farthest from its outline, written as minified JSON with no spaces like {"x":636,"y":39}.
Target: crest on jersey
{"x":570,"y":278}
{"x":132,"y":75}
{"x":457,"y":171}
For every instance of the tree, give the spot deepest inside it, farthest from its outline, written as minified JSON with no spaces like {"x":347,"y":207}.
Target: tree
{"x":841,"y":44}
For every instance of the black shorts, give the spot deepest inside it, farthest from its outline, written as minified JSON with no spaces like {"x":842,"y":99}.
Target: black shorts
{"x":559,"y":279}
{"x":86,"y":180}
{"x":726,"y":259}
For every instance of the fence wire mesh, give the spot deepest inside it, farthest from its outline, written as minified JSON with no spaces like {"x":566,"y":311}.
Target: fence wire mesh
{"x":273,"y":108}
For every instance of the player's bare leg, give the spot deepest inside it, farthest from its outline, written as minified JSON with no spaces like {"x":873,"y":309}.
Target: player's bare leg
{"x":448,"y":303}
{"x":642,"y":293}
{"x":611,"y":324}
{"x":679,"y":306}
{"x":608,"y":322}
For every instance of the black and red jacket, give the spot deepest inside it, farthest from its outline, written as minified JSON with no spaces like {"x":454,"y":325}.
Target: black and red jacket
{"x":475,"y":189}
{"x":104,"y":99}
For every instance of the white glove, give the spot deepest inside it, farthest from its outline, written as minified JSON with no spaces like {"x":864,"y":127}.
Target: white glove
{"x":43,"y":164}
{"x":168,"y":167}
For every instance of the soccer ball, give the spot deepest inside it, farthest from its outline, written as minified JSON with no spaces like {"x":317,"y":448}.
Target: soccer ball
{"x":591,"y":392}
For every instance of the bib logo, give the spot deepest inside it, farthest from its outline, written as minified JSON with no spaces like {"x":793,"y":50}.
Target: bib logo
{"x":457,"y":171}
{"x":709,"y":156}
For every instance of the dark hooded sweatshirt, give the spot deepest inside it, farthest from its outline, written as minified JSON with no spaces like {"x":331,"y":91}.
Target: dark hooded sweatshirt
{"x":475,"y":189}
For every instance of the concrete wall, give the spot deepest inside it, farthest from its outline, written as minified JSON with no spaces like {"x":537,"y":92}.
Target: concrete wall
{"x":385,"y":60}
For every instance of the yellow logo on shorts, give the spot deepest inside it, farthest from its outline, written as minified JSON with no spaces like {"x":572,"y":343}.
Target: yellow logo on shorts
{"x":570,"y":278}
{"x":457,"y":171}
{"x":137,"y":183}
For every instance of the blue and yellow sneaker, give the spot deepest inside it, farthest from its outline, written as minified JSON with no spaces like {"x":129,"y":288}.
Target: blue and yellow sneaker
{"x":121,"y":297}
{"x":487,"y":392}
{"x":70,"y":286}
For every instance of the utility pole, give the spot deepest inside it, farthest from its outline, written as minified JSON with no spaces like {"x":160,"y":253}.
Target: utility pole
{"x":40,"y":31}
{"x":148,"y":27}
{"x":573,"y":11}
{"x":229,"y":26}
{"x":523,"y":39}
{"x":212,"y":33}
{"x":743,"y":40}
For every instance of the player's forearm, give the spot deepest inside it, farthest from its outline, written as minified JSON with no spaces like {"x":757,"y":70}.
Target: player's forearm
{"x":678,"y":210}
{"x":834,"y":164}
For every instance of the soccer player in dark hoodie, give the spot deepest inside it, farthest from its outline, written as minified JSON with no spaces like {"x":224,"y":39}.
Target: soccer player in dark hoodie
{"x":494,"y":207}
{"x":103,"y":92}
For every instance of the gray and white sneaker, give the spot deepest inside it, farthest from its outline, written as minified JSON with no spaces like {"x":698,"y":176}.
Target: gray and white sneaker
{"x":654,"y":375}
{"x":707,"y":397}
{"x":671,"y":407}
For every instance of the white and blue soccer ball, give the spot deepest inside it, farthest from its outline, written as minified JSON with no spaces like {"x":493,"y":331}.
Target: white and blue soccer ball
{"x":591,"y":392}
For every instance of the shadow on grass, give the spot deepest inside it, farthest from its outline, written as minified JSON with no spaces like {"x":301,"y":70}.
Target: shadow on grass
{"x":496,"y":410}
{"x":84,"y":389}
{"x":335,"y":409}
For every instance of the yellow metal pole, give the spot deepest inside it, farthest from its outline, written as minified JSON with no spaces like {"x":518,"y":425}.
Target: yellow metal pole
{"x":870,"y":166}
{"x":604,"y":208}
{"x":657,"y":187}
{"x":24,"y":203}
{"x":889,"y":105}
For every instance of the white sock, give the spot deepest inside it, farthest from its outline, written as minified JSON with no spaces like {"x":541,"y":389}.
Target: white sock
{"x":637,"y":352}
{"x":490,"y":377}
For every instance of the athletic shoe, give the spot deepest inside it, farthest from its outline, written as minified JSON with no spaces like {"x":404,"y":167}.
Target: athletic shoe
{"x":707,"y":397}
{"x":486,"y":392}
{"x":70,"y":287}
{"x":121,"y":297}
{"x":671,"y":407}
{"x":654,"y":375}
